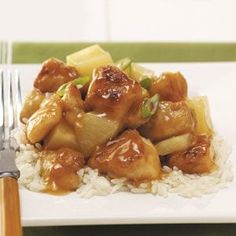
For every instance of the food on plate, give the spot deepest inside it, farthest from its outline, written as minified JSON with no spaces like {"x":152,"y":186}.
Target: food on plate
{"x":61,"y":135}
{"x":201,"y":109}
{"x":59,"y":169}
{"x":89,"y":58}
{"x":170,"y":86}
{"x":176,"y":144}
{"x":31,"y":104}
{"x":140,"y":73}
{"x":96,"y":126}
{"x":171,"y":119}
{"x":53,"y":74}
{"x":197,"y":159}
{"x":112,"y":92}
{"x":93,"y":129}
{"x":44,"y":119}
{"x":130,"y":155}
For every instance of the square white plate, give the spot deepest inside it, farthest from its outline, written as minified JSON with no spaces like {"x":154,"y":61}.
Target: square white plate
{"x":218,"y":82}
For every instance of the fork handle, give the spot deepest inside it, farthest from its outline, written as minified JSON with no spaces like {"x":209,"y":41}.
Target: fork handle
{"x":10,"y":223}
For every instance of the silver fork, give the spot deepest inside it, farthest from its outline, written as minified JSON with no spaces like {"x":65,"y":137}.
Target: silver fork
{"x":10,"y":99}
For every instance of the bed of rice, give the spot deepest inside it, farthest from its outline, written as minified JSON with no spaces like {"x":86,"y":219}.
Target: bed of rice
{"x":93,"y":184}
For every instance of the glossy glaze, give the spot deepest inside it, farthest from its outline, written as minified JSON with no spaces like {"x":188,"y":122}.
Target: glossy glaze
{"x":128,"y":156}
{"x":59,"y":168}
{"x":112,"y":92}
{"x":53,"y":74}
{"x":171,"y":119}
{"x":198,"y":159}
{"x":170,"y":86}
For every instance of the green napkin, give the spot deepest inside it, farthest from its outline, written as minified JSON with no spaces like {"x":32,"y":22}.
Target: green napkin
{"x":143,"y":52}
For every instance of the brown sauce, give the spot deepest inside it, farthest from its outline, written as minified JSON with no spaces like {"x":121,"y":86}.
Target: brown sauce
{"x":59,"y":170}
{"x":53,"y":74}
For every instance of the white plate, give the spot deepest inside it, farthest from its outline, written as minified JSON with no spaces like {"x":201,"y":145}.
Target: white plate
{"x":218,"y":82}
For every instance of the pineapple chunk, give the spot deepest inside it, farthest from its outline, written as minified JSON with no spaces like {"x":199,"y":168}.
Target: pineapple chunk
{"x":139,"y":72}
{"x":175,"y":144}
{"x":201,"y":109}
{"x":61,"y":136}
{"x":93,"y":130}
{"x":89,"y":58}
{"x":124,"y":65}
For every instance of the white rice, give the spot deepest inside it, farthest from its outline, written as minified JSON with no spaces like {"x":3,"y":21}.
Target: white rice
{"x":93,"y":184}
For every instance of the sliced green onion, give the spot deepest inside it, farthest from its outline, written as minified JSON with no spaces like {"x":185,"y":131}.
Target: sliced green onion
{"x":124,"y":63}
{"x":62,"y":89}
{"x":79,"y":81}
{"x":149,"y":106}
{"x":138,"y":72}
{"x":146,"y":82}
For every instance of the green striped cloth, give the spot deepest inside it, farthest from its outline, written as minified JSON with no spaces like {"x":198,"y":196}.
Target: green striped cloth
{"x":142,"y":52}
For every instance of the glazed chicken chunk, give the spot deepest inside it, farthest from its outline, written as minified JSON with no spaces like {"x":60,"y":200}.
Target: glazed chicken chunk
{"x":135,"y":118}
{"x":53,"y":74}
{"x":59,"y":169}
{"x":31,"y":104}
{"x":44,"y":119}
{"x":171,"y":119}
{"x":72,"y":104}
{"x":130,"y":155}
{"x":197,"y":159}
{"x":170,"y":86}
{"x":112,"y":92}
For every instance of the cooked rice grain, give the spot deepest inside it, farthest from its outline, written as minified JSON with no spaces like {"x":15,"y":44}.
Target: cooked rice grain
{"x":93,"y":184}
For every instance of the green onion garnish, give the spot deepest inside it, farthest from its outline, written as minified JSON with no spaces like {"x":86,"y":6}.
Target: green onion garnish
{"x":124,"y":63}
{"x":79,"y":81}
{"x":149,"y":106}
{"x":62,"y":89}
{"x":146,"y":82}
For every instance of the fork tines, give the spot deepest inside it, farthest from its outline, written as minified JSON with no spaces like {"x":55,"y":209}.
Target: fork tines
{"x":10,"y":103}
